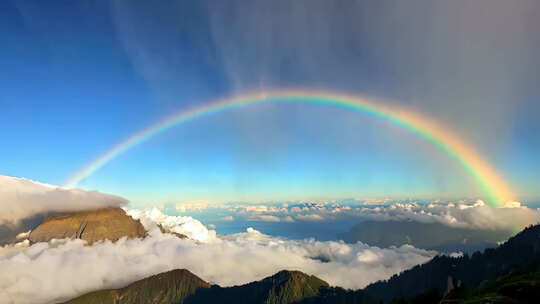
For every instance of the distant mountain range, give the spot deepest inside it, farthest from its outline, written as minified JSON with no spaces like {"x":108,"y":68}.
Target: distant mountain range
{"x":509,"y":273}
{"x":431,"y":236}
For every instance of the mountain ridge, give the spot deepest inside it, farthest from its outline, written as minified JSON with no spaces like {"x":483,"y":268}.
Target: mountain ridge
{"x":182,"y":286}
{"x":519,"y":253}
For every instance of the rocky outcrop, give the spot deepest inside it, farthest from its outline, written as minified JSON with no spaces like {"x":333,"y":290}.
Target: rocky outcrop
{"x":91,"y":226}
{"x":178,"y":235}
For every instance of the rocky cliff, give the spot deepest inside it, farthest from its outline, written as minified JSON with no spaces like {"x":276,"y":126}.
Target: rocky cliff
{"x":91,"y":226}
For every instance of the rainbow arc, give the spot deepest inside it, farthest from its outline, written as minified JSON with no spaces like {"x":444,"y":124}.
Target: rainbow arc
{"x":496,"y":190}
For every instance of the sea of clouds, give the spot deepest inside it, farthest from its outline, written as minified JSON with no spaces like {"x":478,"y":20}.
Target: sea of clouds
{"x":473,"y":214}
{"x":62,"y":269}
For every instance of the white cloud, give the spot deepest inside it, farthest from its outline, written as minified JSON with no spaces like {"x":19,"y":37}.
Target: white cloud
{"x":476,"y":215}
{"x":310,"y":217}
{"x":373,"y":201}
{"x":254,"y":208}
{"x":228,"y":218}
{"x":199,"y":205}
{"x":11,"y":247}
{"x":21,"y":198}
{"x":185,"y":225}
{"x":268,"y":218}
{"x":510,"y":205}
{"x":287,"y":219}
{"x":54,"y":271}
{"x":23,"y":235}
{"x":463,"y":214}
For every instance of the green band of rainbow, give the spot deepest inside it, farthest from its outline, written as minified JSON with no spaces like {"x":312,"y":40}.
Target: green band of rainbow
{"x":495,"y":189}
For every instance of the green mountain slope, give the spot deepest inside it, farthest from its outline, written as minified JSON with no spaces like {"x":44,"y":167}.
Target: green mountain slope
{"x":519,"y":253}
{"x":338,"y":295}
{"x":164,"y":288}
{"x":181,"y":286}
{"x":513,"y":288}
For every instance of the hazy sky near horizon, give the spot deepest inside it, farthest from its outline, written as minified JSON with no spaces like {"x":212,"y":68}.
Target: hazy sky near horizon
{"x":80,"y":77}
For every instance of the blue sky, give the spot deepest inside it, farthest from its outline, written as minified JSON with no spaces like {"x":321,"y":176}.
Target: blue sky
{"x":79,"y":77}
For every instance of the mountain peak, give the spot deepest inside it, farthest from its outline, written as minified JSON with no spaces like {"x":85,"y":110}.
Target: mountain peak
{"x":299,"y":282}
{"x":283,"y":287}
{"x":91,"y":226}
{"x":164,"y":288}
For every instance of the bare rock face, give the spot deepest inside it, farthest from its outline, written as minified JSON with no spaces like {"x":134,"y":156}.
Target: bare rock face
{"x":91,"y":226}
{"x":178,"y":235}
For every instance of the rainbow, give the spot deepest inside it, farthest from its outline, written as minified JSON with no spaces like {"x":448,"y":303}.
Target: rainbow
{"x":495,"y":189}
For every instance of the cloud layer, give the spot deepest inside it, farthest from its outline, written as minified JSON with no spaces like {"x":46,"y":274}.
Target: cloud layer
{"x":461,"y":214}
{"x":54,"y":271}
{"x":476,"y":215}
{"x":22,"y":198}
{"x":61,"y":269}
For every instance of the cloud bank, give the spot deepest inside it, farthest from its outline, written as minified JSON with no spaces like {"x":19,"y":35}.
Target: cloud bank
{"x":461,"y":214}
{"x":475,"y":215}
{"x":22,"y":198}
{"x":58,"y":270}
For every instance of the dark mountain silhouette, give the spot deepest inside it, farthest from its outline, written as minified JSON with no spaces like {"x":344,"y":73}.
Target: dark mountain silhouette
{"x":520,"y":253}
{"x":432,"y":236}
{"x":516,"y":287}
{"x":283,"y":287}
{"x":338,"y":295}
{"x":181,"y":286}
